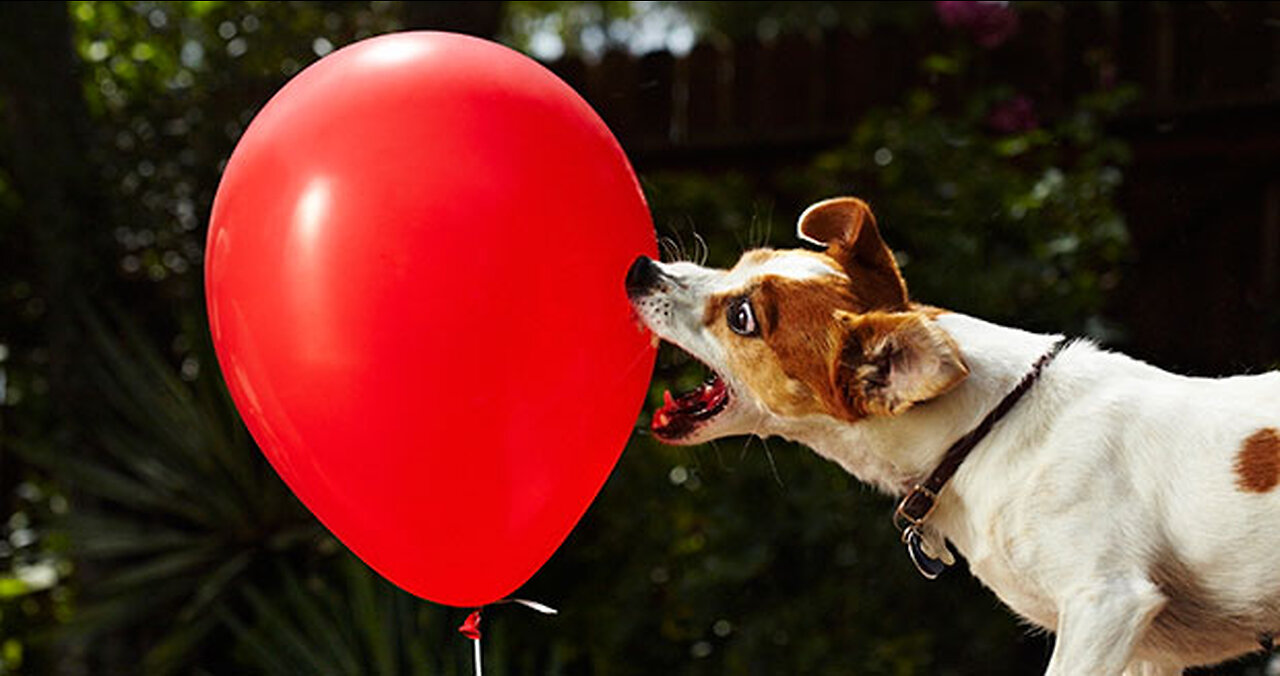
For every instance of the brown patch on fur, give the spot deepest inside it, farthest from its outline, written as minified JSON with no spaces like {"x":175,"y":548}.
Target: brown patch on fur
{"x":786,"y":366}
{"x":929,"y":311}
{"x":1193,"y":624}
{"x":714,"y":311}
{"x":1258,"y":463}
{"x":821,"y":351}
{"x":715,"y":306}
{"x":848,"y":228}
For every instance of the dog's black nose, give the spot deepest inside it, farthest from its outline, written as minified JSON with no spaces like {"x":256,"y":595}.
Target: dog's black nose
{"x":642,"y":276}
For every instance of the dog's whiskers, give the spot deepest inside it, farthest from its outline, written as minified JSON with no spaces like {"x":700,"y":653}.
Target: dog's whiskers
{"x":719,"y":456}
{"x":759,"y":232}
{"x":768,"y":454}
{"x":684,"y":248}
{"x":701,"y":251}
{"x":674,"y":249}
{"x":670,"y":249}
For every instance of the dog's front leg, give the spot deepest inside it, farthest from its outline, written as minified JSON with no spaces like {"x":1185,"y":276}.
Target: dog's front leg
{"x":1099,"y":625}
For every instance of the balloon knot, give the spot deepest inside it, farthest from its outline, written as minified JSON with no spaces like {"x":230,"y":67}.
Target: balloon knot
{"x":471,"y":626}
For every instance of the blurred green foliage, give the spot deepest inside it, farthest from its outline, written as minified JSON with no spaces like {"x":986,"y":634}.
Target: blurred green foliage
{"x":1042,"y":237}
{"x":146,"y":533}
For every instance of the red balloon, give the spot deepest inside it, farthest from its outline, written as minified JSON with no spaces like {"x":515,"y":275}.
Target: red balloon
{"x":415,"y":287}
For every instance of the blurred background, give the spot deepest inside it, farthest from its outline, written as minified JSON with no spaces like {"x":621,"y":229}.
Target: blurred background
{"x":1109,"y":170}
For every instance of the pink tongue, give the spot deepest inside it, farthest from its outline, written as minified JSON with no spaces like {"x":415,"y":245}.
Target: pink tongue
{"x":700,"y":399}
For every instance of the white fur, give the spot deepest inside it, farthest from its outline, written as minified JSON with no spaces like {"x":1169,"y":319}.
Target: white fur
{"x":1105,"y":470}
{"x":787,"y":264}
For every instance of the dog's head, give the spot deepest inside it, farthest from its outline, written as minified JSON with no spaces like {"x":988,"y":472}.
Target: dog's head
{"x":792,"y":334}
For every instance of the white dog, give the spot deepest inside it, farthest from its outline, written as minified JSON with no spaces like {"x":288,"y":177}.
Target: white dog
{"x":1132,"y":512}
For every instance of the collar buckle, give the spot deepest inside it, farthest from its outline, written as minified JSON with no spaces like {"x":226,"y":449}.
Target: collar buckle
{"x":911,"y":512}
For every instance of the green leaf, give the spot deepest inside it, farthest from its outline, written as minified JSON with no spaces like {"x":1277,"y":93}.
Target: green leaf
{"x":12,"y":587}
{"x":175,"y":565}
{"x":287,"y":637}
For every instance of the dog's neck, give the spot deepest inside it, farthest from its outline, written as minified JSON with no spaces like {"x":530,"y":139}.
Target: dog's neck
{"x":894,"y":453}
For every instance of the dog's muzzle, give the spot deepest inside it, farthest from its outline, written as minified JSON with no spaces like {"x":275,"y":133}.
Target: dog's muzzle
{"x":642,"y":276}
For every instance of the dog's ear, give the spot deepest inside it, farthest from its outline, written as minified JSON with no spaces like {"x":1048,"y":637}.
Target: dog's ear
{"x":846,"y":226}
{"x":886,"y":362}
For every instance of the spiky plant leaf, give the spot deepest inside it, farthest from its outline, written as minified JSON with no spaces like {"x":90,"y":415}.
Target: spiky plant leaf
{"x":348,"y":624}
{"x":175,"y":510}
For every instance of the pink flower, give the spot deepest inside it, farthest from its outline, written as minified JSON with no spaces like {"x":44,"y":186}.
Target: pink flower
{"x":990,"y":23}
{"x":1013,"y":116}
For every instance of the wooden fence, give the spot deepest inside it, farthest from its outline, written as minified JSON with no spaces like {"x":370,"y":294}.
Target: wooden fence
{"x":799,"y":91}
{"x":1202,"y":197}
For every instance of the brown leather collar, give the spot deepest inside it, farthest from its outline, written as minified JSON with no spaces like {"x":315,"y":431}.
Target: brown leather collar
{"x":920,"y":501}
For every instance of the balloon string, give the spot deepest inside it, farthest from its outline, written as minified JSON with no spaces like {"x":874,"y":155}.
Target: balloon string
{"x":471,"y":626}
{"x":471,"y":629}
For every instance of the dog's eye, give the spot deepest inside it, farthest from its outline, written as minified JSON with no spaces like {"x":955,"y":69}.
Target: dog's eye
{"x":741,"y":318}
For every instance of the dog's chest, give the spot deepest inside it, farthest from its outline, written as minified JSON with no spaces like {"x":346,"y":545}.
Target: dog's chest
{"x":1031,"y":528}
{"x":1023,"y":596}
{"x":1010,"y":570}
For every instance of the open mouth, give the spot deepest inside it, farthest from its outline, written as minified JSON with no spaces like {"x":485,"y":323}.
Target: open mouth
{"x":681,"y":414}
